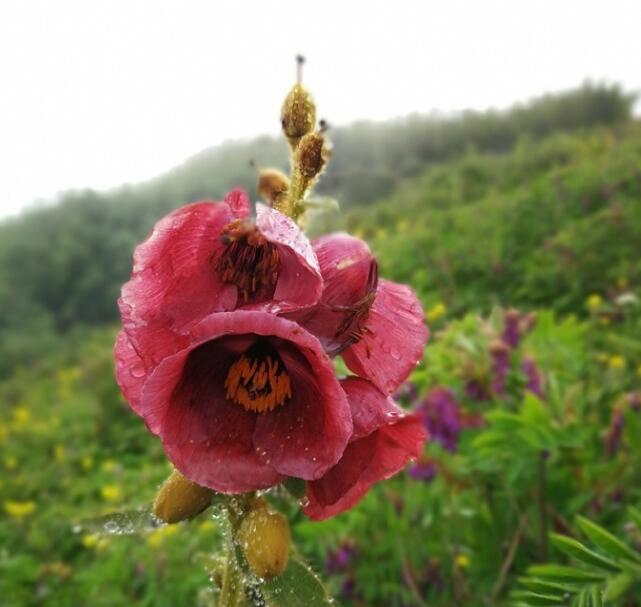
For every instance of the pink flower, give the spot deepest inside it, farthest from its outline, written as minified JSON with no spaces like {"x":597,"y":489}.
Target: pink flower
{"x":384,"y":439}
{"x":240,"y":400}
{"x":377,"y":326}
{"x":210,"y":257}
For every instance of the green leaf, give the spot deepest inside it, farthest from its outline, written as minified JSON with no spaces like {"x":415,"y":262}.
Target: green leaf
{"x":128,"y":522}
{"x":610,"y":544}
{"x":297,"y":587}
{"x":562,"y":573}
{"x":538,"y":600}
{"x":618,"y":586}
{"x":597,"y":599}
{"x":543,"y":586}
{"x":577,"y":550}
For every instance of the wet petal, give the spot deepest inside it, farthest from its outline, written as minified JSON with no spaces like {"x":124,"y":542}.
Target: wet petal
{"x":370,"y":408}
{"x":366,"y":461}
{"x":394,"y":338}
{"x":299,"y":280}
{"x":131,"y":372}
{"x":173,"y":283}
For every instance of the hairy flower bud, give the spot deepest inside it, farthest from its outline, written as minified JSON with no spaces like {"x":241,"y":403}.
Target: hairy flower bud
{"x":273,"y":187}
{"x":265,"y":538}
{"x":298,"y":114}
{"x":179,"y":499}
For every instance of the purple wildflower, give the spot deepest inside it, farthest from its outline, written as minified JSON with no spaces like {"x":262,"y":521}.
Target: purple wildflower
{"x":423,"y":470}
{"x":476,"y":390}
{"x":339,"y":559}
{"x":500,"y":353}
{"x":533,"y":376}
{"x":441,"y":416}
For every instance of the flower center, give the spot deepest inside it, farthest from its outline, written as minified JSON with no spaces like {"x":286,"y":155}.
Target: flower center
{"x":258,"y":380}
{"x":249,"y":260}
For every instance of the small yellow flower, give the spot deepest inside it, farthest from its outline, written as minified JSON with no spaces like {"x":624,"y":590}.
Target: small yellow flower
{"x":111,"y":493}
{"x":109,"y":465}
{"x":86,"y":462}
{"x":381,"y":234}
{"x":59,"y":453}
{"x":436,"y":312}
{"x":616,"y":362}
{"x":90,"y":540}
{"x":462,"y":561}
{"x":157,"y":536}
{"x":93,"y":541}
{"x":594,"y":302}
{"x":21,"y":416}
{"x":19,"y":510}
{"x":10,"y":462}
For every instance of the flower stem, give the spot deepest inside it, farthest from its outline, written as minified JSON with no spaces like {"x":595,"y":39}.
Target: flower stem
{"x":230,"y":590}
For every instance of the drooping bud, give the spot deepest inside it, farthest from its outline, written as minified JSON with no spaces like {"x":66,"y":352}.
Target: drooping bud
{"x":179,"y":499}
{"x":265,"y":538}
{"x":273,"y":187}
{"x":298,"y":114}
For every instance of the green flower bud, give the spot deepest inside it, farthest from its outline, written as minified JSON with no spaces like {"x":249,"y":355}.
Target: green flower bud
{"x":298,"y":114}
{"x":179,"y":499}
{"x":265,"y":539}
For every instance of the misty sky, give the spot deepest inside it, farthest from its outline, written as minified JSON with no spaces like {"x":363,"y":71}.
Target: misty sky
{"x":97,"y":93}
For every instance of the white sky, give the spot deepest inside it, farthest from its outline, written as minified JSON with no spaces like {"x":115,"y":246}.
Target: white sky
{"x":100,"y":92}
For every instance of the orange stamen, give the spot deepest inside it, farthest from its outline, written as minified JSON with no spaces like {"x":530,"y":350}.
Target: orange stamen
{"x":258,"y":384}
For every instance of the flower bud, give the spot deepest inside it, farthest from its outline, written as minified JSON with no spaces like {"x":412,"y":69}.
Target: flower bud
{"x":273,"y":187}
{"x":312,"y":155}
{"x":265,"y":537}
{"x":298,"y":114}
{"x":179,"y":499}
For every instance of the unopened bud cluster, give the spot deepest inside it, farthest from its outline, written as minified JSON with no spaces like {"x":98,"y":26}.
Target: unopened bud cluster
{"x":310,"y":153}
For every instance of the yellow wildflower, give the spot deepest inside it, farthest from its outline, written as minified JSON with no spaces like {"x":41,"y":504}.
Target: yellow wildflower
{"x":21,"y":416}
{"x":59,"y":453}
{"x":616,"y":362}
{"x":87,"y":462}
{"x":594,"y":302}
{"x":93,"y":541}
{"x":157,"y":536}
{"x":381,"y":234}
{"x":462,"y":561}
{"x":10,"y":462}
{"x":436,"y":312}
{"x":109,"y":465}
{"x":19,"y":510}
{"x":111,"y":493}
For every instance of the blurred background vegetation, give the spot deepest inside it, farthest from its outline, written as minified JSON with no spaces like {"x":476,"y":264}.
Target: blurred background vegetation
{"x":538,"y":208}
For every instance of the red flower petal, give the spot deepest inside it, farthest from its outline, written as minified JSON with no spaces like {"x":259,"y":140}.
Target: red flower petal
{"x":306,"y":436}
{"x":218,"y":443}
{"x":350,"y":277}
{"x":370,"y":408}
{"x":173,"y":284}
{"x":394,"y":339}
{"x":367,"y":460}
{"x":299,"y":279}
{"x":131,"y":371}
